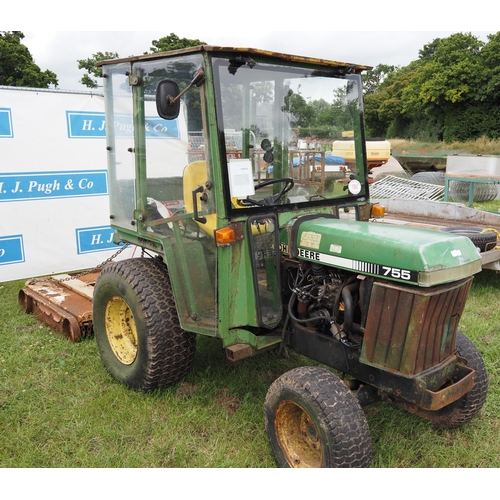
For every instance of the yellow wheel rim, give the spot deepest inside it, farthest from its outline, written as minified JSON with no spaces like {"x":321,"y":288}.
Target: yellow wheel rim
{"x":297,"y":436}
{"x":121,"y":330}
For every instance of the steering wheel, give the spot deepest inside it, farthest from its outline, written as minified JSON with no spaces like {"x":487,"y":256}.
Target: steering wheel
{"x":270,"y":200}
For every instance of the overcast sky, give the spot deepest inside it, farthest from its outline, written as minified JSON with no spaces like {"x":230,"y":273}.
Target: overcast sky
{"x":365,"y":32}
{"x":59,"y":51}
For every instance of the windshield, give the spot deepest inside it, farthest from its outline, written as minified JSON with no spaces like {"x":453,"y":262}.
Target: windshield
{"x":292,"y":134}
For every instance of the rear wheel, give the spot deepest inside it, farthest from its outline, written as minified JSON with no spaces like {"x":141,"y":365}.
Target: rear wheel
{"x":137,"y":328}
{"x":313,"y":420}
{"x":469,"y":405}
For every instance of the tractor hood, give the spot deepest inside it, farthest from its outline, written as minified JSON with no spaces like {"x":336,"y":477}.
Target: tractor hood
{"x":417,"y":256}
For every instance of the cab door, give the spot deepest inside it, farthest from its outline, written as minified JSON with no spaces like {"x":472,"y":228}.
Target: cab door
{"x":175,"y":203}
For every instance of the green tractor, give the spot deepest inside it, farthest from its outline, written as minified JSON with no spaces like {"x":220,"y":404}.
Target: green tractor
{"x":258,"y":242}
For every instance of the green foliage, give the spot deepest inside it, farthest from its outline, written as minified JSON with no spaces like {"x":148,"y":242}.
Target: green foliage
{"x":17,"y":67}
{"x":383,"y":107}
{"x":173,"y":42}
{"x":450,"y":93}
{"x":92,"y":71}
{"x":490,"y":57}
{"x":472,"y":121}
{"x":376,"y":124}
{"x":318,"y":117}
{"x":445,"y":77}
{"x":302,"y":112}
{"x":373,"y":78}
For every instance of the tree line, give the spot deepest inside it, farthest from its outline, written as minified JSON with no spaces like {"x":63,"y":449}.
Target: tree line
{"x":451,"y":92}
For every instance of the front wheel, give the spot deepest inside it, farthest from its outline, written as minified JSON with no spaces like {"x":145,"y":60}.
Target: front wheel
{"x":313,"y":420}
{"x":137,"y":328}
{"x":470,"y":404}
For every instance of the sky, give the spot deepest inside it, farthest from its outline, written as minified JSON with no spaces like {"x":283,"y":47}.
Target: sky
{"x":369,"y":48}
{"x":362,"y":32}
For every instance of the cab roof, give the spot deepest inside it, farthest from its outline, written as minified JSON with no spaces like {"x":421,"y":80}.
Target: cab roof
{"x":353,"y":68}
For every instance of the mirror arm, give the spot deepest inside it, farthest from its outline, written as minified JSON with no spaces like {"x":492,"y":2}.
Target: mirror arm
{"x":197,"y":80}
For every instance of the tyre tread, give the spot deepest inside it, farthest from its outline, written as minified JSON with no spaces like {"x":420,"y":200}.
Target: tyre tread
{"x":484,"y":240}
{"x":339,"y":410}
{"x":170,"y":349}
{"x":469,"y":405}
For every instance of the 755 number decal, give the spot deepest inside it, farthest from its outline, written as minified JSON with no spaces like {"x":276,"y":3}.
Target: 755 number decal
{"x":399,"y":274}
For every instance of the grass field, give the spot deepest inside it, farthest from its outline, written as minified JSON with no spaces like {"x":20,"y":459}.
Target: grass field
{"x":483,"y":146}
{"x":59,"y":407}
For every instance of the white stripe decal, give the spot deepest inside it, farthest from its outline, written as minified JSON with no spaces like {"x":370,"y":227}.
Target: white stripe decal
{"x":337,"y":261}
{"x":332,"y":260}
{"x":327,"y":259}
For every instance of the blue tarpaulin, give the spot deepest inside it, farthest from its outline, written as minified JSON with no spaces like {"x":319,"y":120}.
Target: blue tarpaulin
{"x":329,"y":160}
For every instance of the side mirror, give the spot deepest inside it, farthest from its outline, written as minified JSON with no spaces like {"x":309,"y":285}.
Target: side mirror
{"x":167,"y":105}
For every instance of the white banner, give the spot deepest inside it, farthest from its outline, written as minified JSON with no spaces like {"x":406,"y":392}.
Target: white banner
{"x":54,"y":207}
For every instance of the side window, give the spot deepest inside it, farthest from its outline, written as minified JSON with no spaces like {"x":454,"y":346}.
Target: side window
{"x":176,"y":152}
{"x":120,"y":140}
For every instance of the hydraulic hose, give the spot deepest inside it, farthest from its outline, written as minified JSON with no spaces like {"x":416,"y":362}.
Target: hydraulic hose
{"x":347,"y":295}
{"x":291,"y":303}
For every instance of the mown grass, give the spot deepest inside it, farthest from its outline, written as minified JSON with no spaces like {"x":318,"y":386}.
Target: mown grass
{"x":59,"y":407}
{"x":482,"y":146}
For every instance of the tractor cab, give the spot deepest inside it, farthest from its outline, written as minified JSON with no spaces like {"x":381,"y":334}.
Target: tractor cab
{"x":208,"y":158}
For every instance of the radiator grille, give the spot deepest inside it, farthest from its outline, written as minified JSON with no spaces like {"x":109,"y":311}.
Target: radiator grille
{"x":410,"y":329}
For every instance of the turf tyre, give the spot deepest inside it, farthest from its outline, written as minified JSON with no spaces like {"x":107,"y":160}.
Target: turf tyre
{"x":138,"y":293}
{"x":468,"y":406}
{"x":483,"y":240}
{"x":312,"y":419}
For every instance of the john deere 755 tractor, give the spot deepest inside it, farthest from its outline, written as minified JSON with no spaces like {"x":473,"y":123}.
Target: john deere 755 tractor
{"x":261,"y":244}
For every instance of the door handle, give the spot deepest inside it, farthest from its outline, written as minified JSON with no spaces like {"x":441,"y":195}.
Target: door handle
{"x":197,"y":217}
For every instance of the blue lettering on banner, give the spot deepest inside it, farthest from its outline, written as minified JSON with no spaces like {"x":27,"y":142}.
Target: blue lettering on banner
{"x":46,"y":185}
{"x":6,"y":129}
{"x":11,"y":249}
{"x":158,"y":128}
{"x":94,"y":239}
{"x":87,"y":124}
